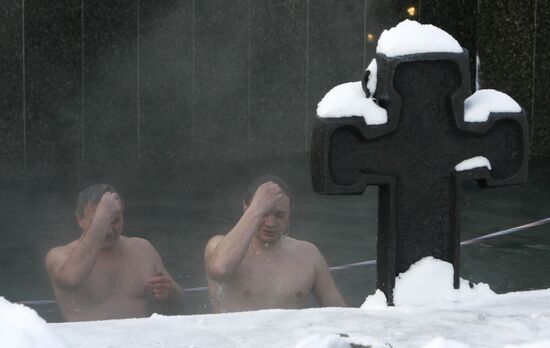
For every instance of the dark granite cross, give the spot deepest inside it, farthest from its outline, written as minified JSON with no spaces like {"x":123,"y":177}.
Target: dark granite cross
{"x":412,"y":158}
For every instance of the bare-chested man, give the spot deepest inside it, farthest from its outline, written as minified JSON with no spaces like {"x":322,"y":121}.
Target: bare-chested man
{"x":103,"y":275}
{"x":258,"y":266}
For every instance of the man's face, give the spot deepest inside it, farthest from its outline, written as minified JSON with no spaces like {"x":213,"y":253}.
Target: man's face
{"x":115,"y":229}
{"x":275,"y":223}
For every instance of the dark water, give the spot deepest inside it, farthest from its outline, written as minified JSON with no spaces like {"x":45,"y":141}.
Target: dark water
{"x":179,"y":218}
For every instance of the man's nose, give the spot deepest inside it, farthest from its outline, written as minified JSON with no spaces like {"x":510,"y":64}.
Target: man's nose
{"x":269,"y":220}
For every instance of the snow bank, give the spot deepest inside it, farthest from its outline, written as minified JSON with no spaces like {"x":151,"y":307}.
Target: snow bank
{"x":348,"y":100}
{"x":21,"y":327}
{"x":474,"y":162}
{"x":429,"y":282}
{"x":410,"y":37}
{"x":478,"y":106}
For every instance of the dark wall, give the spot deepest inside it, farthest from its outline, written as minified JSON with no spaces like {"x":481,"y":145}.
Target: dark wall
{"x":510,"y":40}
{"x":134,"y":88}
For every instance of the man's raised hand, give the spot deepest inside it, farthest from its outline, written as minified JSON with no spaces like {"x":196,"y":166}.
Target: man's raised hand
{"x":266,"y":197}
{"x":108,"y":207}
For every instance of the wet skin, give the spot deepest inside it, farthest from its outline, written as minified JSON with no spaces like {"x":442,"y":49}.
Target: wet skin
{"x":104,"y":275}
{"x":257,"y":266}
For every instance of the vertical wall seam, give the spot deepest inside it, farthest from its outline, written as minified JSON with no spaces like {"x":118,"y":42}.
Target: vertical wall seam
{"x":307,"y":77}
{"x":479,"y":71}
{"x":533,"y":66}
{"x":364,"y":35}
{"x":24,"y":86}
{"x":138,"y":78}
{"x":193,"y":99}
{"x":249,"y":96}
{"x":82,"y":92}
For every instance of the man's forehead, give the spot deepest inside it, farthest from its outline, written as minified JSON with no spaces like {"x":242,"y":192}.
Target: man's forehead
{"x":91,"y":208}
{"x":283,"y":204}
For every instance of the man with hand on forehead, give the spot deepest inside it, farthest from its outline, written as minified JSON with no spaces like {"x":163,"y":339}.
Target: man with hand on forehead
{"x":104,"y":275}
{"x":258,"y":266}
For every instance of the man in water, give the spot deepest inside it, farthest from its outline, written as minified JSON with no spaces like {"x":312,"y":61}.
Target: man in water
{"x":104,"y":275}
{"x":258,"y":266}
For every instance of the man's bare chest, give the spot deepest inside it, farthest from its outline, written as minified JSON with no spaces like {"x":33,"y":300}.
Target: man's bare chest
{"x":111,"y":280}
{"x":283,"y":282}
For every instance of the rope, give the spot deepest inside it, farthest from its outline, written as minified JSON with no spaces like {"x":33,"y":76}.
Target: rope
{"x":466,"y":242}
{"x":507,"y":231}
{"x":362,"y":263}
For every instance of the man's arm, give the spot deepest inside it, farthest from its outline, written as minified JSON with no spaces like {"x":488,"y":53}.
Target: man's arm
{"x":223,"y":254}
{"x":325,"y":291}
{"x":166,"y":291}
{"x":69,"y":266}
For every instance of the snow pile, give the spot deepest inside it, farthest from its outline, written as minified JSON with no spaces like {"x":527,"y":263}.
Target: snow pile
{"x":474,"y":162}
{"x":348,"y":100}
{"x":21,"y":327}
{"x":479,"y":105}
{"x":410,"y":37}
{"x":430,"y":282}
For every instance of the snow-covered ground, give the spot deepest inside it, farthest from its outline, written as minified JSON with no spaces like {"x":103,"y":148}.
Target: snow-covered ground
{"x":512,"y":320}
{"x":428,"y":313}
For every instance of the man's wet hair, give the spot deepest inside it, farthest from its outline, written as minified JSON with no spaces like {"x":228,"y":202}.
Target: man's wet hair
{"x":91,"y":195}
{"x":262,"y":180}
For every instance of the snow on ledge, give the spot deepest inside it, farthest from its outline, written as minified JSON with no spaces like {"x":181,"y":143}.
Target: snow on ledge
{"x":349,"y":99}
{"x":474,"y":162}
{"x":21,"y":327}
{"x":479,"y":105}
{"x":411,"y":37}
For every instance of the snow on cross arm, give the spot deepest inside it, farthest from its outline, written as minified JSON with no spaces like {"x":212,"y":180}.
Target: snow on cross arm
{"x":349,"y":99}
{"x":411,"y":37}
{"x":479,"y":105}
{"x":474,"y":162}
{"x":408,"y":37}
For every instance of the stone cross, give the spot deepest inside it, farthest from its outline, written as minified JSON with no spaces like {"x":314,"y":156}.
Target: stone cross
{"x":412,"y":158}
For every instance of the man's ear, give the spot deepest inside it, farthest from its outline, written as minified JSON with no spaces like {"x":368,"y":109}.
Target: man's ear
{"x":80,"y":220}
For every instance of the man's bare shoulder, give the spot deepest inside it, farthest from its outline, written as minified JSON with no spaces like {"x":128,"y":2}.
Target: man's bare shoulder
{"x":137,"y":244}
{"x":59,"y":252}
{"x":302,"y":246}
{"x":214,"y":241}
